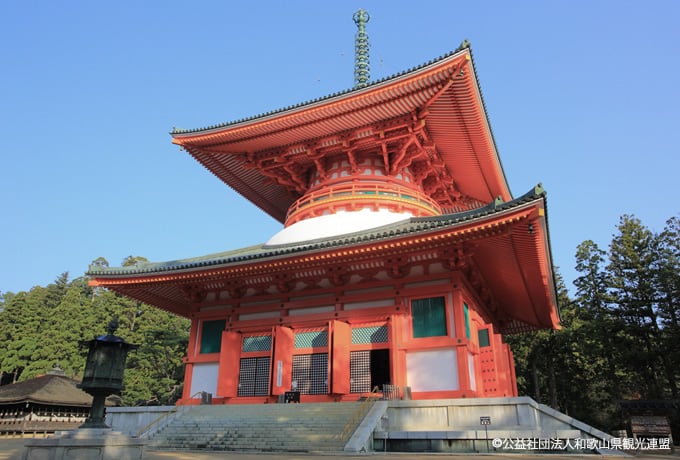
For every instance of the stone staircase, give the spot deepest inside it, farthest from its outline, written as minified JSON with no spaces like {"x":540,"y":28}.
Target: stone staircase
{"x":263,"y":427}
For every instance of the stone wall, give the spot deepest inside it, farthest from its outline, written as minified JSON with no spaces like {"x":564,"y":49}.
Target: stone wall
{"x":131,"y":420}
{"x":450,"y":425}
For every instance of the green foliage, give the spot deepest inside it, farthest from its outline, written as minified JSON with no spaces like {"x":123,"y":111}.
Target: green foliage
{"x":42,"y":327}
{"x":620,"y":336}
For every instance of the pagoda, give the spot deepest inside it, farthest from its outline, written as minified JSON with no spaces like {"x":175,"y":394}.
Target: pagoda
{"x":402,"y":261}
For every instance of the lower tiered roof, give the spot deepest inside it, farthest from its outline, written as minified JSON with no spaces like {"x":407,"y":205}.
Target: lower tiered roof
{"x":503,"y":249}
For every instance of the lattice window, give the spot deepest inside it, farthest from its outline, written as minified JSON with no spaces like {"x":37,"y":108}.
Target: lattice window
{"x":253,"y":377}
{"x":360,"y":371}
{"x":310,"y":373}
{"x":311,"y":339}
{"x":257,"y":343}
{"x":373,"y":334}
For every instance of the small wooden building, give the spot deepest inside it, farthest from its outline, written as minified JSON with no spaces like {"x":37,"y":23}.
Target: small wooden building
{"x":42,"y":405}
{"x":651,"y":418}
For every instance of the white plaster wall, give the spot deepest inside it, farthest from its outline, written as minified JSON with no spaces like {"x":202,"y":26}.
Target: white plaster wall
{"x":339,"y":223}
{"x":204,"y":378}
{"x":432,"y":370}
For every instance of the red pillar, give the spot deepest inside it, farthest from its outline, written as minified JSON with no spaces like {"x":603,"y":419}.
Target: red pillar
{"x":282,"y":374}
{"x":230,"y":363}
{"x":340,"y":353}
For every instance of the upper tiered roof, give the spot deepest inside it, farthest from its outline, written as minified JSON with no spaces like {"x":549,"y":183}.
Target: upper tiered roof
{"x":437,"y":106}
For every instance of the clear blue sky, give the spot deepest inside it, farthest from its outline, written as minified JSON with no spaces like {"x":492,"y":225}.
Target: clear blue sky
{"x":582,"y":96}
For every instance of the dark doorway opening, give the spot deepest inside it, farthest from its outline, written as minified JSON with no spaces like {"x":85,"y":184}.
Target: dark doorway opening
{"x":380,"y":368}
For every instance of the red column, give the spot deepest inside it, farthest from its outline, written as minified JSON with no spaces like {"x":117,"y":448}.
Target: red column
{"x":511,"y":371}
{"x":188,"y":366}
{"x":507,"y":384}
{"x":282,"y":370}
{"x":340,"y":352}
{"x":395,"y":325}
{"x":463,"y":372}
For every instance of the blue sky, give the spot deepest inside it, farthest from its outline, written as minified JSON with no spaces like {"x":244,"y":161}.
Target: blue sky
{"x":581,"y":95}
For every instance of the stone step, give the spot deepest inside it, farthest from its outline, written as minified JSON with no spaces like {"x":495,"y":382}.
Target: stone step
{"x":272,"y":427}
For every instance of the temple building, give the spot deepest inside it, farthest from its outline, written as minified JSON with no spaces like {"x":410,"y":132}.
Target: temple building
{"x":43,"y":404}
{"x":402,"y":261}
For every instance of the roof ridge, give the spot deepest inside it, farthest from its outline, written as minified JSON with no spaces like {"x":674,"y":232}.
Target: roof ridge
{"x":465,"y":44}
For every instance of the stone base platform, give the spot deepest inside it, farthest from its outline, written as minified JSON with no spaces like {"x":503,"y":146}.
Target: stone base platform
{"x":85,"y":444}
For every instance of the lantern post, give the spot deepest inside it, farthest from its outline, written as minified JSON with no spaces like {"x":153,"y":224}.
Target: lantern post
{"x":104,"y":369}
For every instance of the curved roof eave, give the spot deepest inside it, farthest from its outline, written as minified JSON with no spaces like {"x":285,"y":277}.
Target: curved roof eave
{"x":262,"y":251}
{"x":378,"y":92}
{"x":179,"y":132}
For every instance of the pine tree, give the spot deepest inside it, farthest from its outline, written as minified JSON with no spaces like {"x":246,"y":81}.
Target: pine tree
{"x":603,"y":333}
{"x":666,"y":281}
{"x":632,"y":256}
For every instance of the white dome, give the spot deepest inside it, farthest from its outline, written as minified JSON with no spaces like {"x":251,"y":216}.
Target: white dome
{"x":340,"y":223}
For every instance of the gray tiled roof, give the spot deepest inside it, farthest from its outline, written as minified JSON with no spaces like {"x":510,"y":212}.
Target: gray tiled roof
{"x":49,"y":389}
{"x":465,"y":44}
{"x":261,"y":251}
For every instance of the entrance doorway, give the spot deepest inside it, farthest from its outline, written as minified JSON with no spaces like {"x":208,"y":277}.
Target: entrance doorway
{"x":380,"y":368}
{"x":368,"y":369}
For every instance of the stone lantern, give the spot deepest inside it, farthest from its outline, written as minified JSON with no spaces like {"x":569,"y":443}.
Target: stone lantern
{"x":94,"y":440}
{"x":104,"y":370}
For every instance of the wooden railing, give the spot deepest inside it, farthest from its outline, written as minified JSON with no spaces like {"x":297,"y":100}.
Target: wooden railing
{"x":42,"y":421}
{"x":373,"y":192}
{"x":359,"y":414}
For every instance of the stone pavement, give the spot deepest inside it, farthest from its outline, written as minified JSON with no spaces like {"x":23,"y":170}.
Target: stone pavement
{"x":12,"y":448}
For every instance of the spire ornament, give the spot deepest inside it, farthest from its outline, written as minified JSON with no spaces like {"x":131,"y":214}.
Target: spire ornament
{"x":362,"y":71}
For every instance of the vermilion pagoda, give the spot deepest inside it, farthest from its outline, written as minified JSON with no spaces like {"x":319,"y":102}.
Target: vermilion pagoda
{"x":402,"y":261}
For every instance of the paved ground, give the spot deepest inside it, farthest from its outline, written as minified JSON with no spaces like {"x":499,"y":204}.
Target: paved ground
{"x":12,"y":448}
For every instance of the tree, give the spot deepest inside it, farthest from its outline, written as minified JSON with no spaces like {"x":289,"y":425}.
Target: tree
{"x":667,"y":286}
{"x":21,"y":322}
{"x":603,"y":333}
{"x":633,"y":254}
{"x":44,"y":326}
{"x":156,"y":370}
{"x":553,"y":366}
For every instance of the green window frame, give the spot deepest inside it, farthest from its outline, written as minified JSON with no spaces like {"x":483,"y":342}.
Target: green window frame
{"x":428,"y":317}
{"x":211,"y":335}
{"x":483,"y":336}
{"x":466,"y":313}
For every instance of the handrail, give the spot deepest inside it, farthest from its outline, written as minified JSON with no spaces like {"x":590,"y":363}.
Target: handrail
{"x":373,"y":190}
{"x":157,"y":422}
{"x":143,"y":432}
{"x":359,"y":414}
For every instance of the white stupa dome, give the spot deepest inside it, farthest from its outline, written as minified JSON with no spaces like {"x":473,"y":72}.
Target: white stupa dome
{"x":340,"y":223}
